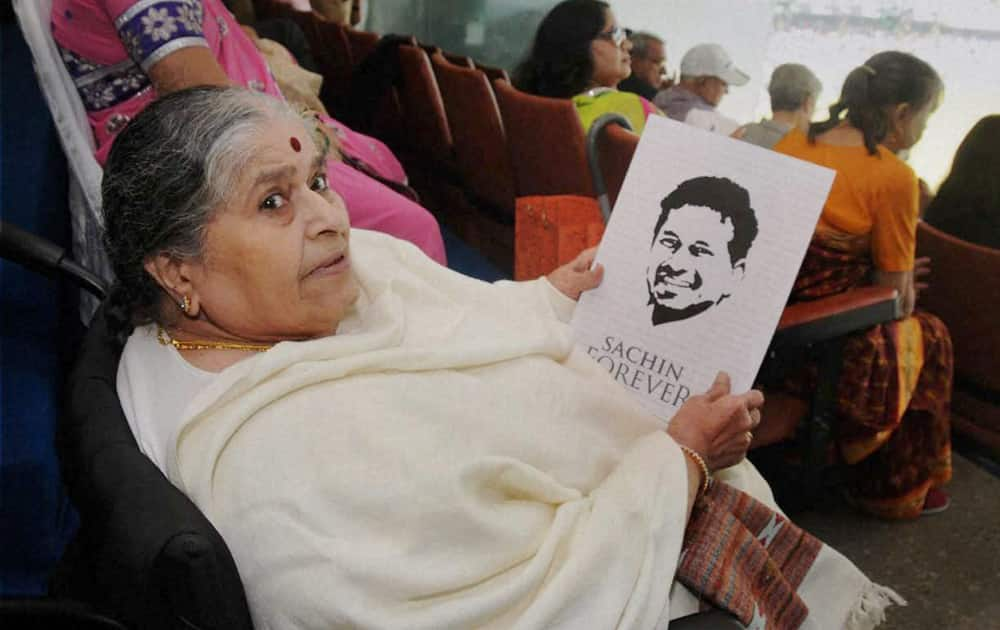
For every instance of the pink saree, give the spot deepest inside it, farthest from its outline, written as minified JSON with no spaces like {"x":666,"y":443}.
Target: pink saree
{"x":108,"y":47}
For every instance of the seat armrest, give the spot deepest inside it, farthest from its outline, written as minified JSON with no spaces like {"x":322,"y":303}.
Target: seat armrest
{"x":806,"y":323}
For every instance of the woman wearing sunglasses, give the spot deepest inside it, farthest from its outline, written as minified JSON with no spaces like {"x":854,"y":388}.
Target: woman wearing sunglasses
{"x":581,"y":53}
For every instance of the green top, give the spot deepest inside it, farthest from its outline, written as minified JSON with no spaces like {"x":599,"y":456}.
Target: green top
{"x":593,"y":104}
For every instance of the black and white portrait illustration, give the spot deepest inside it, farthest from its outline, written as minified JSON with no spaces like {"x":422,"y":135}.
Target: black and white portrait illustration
{"x":698,"y":253}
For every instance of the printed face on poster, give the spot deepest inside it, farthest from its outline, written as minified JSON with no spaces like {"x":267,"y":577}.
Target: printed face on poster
{"x":700,"y":254}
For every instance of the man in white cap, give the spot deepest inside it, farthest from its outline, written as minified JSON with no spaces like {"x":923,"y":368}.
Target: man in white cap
{"x":706,"y":74}
{"x":794,"y":90}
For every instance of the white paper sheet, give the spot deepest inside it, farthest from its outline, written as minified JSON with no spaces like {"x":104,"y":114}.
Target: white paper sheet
{"x":714,"y":312}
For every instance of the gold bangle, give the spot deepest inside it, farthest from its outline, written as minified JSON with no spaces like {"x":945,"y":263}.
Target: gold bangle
{"x":698,"y":459}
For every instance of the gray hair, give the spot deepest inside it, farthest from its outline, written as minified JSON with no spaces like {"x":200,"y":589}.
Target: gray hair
{"x":168,"y":172}
{"x":791,"y":84}
{"x":641,"y":41}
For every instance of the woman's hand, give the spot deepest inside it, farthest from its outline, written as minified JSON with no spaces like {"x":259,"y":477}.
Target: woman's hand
{"x":717,"y":424}
{"x":575,"y":277}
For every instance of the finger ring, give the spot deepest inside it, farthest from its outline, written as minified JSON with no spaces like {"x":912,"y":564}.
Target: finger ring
{"x":749,"y":436}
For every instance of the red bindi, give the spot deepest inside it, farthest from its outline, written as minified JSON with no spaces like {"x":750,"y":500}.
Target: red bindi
{"x":296,"y":145}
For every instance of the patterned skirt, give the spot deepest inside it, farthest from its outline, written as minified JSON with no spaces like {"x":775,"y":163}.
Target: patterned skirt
{"x":893,"y":397}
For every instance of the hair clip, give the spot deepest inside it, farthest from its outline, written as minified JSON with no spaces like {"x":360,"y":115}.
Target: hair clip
{"x":868,"y":69}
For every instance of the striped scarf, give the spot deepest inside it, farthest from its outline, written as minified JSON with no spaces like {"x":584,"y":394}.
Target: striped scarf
{"x":747,"y":559}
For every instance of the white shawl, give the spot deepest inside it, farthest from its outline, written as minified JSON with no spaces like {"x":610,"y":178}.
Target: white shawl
{"x":446,"y":460}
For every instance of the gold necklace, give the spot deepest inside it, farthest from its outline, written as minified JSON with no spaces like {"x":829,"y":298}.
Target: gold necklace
{"x":166,"y":340}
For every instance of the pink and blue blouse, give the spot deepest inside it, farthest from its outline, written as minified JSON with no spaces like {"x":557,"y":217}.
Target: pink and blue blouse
{"x":109,"y":46}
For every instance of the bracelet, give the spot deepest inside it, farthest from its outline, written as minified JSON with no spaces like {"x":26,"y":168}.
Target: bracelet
{"x":698,"y":459}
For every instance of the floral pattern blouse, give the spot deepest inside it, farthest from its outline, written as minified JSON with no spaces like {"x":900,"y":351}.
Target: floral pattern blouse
{"x":109,"y":46}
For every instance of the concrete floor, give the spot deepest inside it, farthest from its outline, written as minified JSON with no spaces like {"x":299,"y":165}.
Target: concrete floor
{"x":947,"y":565}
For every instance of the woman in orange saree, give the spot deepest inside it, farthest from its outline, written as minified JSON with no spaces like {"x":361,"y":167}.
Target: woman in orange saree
{"x":895,"y":386}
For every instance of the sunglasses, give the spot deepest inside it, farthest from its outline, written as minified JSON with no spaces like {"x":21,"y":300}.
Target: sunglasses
{"x":617,"y":35}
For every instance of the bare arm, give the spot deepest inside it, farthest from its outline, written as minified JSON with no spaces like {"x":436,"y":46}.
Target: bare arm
{"x":908,"y":283}
{"x":187,"y":67}
{"x":902,"y":281}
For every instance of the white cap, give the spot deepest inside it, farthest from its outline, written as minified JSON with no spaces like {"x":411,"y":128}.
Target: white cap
{"x":711,"y":60}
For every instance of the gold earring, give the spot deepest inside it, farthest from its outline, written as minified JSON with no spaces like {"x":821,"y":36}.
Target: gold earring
{"x":185,"y":304}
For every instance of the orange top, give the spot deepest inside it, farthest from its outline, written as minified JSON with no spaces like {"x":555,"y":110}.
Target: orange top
{"x":873,"y":196}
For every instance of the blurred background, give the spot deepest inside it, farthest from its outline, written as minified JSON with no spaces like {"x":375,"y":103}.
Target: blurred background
{"x":961,"y":39}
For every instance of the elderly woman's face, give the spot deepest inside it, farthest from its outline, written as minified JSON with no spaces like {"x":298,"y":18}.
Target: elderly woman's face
{"x":610,"y":53}
{"x":276,"y":263}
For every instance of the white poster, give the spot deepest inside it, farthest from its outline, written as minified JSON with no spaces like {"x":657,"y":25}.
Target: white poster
{"x":700,"y":254}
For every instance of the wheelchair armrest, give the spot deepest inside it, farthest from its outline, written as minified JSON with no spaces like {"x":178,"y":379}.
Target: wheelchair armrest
{"x":45,"y":257}
{"x":806,"y":323}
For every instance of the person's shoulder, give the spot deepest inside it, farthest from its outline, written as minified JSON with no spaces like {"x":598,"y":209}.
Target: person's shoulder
{"x":756,"y":133}
{"x":139,"y":346}
{"x":639,"y":87}
{"x":379,"y":243}
{"x":893,"y":166}
{"x":794,"y":142}
{"x":379,"y":255}
{"x":629,"y":99}
{"x":664,"y":97}
{"x":711,"y":120}
{"x":886,"y":175}
{"x":605,"y":94}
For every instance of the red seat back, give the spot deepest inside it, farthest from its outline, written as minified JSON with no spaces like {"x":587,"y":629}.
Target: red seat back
{"x":458,"y":60}
{"x":964,"y":292}
{"x":424,"y":120}
{"x":493,"y":73}
{"x":329,"y":45}
{"x":546,"y":143}
{"x":360,"y":43}
{"x":477,"y":133}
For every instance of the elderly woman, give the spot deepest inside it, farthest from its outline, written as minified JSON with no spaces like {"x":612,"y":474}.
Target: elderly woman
{"x":385,"y":443}
{"x":580,"y":52}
